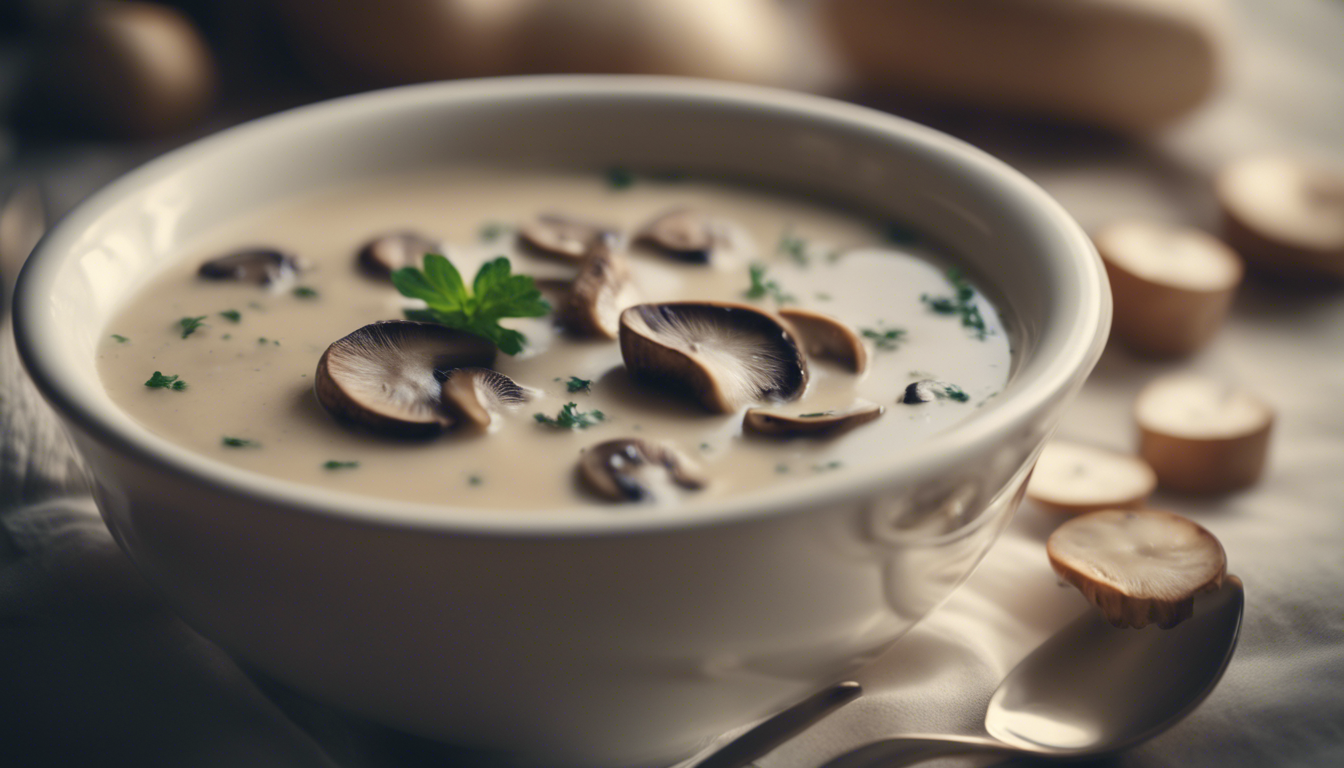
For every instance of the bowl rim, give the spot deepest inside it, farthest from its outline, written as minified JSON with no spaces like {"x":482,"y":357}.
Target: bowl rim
{"x":1083,"y":340}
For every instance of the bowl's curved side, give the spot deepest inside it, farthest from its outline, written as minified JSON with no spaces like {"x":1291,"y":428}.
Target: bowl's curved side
{"x":586,"y":639}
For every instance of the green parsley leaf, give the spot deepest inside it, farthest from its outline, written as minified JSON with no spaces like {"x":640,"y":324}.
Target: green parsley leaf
{"x":828,"y":466}
{"x":120,"y":339}
{"x":575,"y":384}
{"x":816,"y":415}
{"x":793,"y":246}
{"x":239,"y":442}
{"x":495,"y":293}
{"x":334,"y":465}
{"x":494,"y":230}
{"x":961,"y":303}
{"x":953,"y":392}
{"x":232,"y":315}
{"x":304,"y":292}
{"x":570,"y":417}
{"x":159,"y":381}
{"x":475,"y":480}
{"x":760,"y":287}
{"x":886,"y":339}
{"x":190,"y":324}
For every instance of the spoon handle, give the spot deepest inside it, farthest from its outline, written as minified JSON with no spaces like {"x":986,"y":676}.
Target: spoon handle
{"x":908,"y":750}
{"x":782,"y":727}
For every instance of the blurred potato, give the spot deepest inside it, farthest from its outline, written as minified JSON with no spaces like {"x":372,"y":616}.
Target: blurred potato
{"x":1124,"y":64}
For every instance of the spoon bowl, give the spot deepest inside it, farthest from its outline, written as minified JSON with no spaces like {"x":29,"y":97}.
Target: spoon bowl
{"x":1091,"y":689}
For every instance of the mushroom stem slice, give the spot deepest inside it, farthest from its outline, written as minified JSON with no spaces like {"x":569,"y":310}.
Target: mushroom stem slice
{"x":1139,"y":567}
{"x":260,"y":266}
{"x":630,"y":469}
{"x":763,"y":421}
{"x":1202,"y":435}
{"x":1072,"y":478}
{"x":828,"y":338}
{"x":601,"y":290}
{"x":690,"y":235}
{"x":557,"y":234}
{"x":388,"y":252}
{"x":387,"y":376}
{"x":475,"y":396}
{"x":725,"y":355}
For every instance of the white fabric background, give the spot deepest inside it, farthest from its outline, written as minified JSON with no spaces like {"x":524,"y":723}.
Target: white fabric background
{"x":94,"y":672}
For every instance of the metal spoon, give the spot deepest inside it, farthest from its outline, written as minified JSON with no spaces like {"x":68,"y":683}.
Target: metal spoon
{"x":1090,"y":689}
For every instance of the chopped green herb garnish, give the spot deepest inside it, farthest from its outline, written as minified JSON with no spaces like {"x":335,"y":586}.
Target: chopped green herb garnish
{"x":190,"y":324}
{"x":884,"y":338}
{"x":827,"y":466}
{"x":120,"y":339}
{"x":575,"y":384}
{"x":953,"y":392}
{"x":619,"y":178}
{"x":159,"y":381}
{"x":232,"y":315}
{"x":816,"y":415}
{"x":227,"y":336}
{"x":823,"y":297}
{"x":239,"y":442}
{"x":781,"y":469}
{"x":704,"y":446}
{"x":304,"y":292}
{"x":495,"y":293}
{"x":474,"y":480}
{"x":962,"y":303}
{"x":760,"y":287}
{"x":494,"y":230}
{"x":340,"y":465}
{"x":570,"y":417}
{"x":793,"y":246}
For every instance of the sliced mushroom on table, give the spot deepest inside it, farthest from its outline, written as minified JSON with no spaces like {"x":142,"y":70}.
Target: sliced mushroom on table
{"x":631,"y":469}
{"x":387,"y":376}
{"x":1138,"y":567}
{"x":724,"y":355}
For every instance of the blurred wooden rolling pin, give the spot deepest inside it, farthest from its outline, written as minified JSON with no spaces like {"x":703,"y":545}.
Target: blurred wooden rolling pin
{"x":1131,"y":65}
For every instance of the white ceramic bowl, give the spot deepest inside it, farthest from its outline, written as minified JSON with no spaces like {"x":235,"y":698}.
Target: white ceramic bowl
{"x":583,"y":638}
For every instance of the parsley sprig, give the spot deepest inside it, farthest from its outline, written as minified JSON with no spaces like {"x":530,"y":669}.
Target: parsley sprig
{"x":159,"y":381}
{"x":570,"y":417}
{"x":761,"y":287}
{"x":575,"y":384}
{"x":884,"y":338}
{"x":494,"y":294}
{"x":189,"y":325}
{"x":961,"y":303}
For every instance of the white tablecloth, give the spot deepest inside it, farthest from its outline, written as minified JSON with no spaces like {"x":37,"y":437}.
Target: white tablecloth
{"x":94,"y":672}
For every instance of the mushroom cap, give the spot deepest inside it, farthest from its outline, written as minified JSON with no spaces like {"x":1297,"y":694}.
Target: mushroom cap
{"x":1073,"y":478}
{"x":386,"y":376}
{"x":928,"y":390}
{"x":723,"y":354}
{"x":764,"y":421}
{"x":691,"y":235}
{"x":601,"y":290}
{"x":390,"y":251}
{"x":259,"y":265}
{"x":559,"y":234}
{"x":1139,"y":567}
{"x":1201,"y":435}
{"x":828,"y":338}
{"x":631,"y":469}
{"x":475,"y":396}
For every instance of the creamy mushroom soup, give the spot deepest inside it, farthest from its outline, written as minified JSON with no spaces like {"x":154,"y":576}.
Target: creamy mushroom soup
{"x":226,"y":368}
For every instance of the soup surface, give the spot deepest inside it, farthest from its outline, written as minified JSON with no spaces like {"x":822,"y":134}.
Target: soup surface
{"x":249,"y":364}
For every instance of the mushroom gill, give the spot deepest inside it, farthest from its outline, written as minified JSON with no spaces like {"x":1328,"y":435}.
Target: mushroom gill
{"x":386,"y":376}
{"x":475,"y":396}
{"x":725,"y":355}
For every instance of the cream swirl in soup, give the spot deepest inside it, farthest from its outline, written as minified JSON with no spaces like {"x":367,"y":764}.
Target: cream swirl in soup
{"x":226,"y":368}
